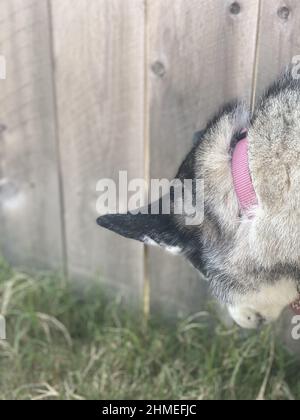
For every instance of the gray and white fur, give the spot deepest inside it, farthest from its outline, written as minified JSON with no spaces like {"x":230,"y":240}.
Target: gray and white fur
{"x":252,"y":264}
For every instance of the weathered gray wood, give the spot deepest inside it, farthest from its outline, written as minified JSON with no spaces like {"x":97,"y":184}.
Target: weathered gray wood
{"x":30,"y":212}
{"x":99,"y":59}
{"x":201,"y":55}
{"x":198,"y":55}
{"x":278,"y":41}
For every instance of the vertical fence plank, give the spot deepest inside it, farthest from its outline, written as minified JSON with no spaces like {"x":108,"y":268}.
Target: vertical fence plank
{"x":201,"y":55}
{"x":279,"y":42}
{"x":30,"y":219}
{"x":99,"y":59}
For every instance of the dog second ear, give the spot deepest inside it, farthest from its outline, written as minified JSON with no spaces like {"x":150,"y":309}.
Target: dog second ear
{"x":150,"y":229}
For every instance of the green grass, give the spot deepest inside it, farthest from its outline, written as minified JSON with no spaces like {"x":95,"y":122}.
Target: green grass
{"x":62,"y":347}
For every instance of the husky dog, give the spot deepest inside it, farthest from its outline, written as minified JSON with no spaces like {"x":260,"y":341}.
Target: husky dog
{"x":248,"y":245}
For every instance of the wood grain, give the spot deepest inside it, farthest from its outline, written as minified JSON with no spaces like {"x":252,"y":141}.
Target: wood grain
{"x":278,"y":42}
{"x":99,"y":61}
{"x":30,"y":208}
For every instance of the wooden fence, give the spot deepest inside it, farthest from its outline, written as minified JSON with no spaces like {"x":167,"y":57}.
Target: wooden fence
{"x":98,"y":86}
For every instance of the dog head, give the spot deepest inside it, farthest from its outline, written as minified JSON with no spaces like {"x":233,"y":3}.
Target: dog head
{"x":249,"y":253}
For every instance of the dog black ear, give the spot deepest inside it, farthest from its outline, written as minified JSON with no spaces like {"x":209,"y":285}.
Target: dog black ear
{"x":147,"y":228}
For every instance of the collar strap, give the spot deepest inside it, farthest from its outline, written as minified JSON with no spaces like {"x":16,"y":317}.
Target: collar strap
{"x":242,"y":180}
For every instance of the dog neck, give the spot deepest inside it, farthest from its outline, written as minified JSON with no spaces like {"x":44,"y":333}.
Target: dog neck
{"x":244,"y":188}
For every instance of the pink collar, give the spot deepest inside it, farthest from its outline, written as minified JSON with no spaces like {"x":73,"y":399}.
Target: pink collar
{"x":242,"y":181}
{"x":244,"y":189}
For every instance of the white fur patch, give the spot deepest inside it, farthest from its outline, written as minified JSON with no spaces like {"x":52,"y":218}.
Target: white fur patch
{"x":175,"y":250}
{"x":150,"y":242}
{"x":266,"y":305}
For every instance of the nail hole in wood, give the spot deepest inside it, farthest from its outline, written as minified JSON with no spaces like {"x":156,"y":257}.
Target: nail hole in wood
{"x":158,"y":69}
{"x":284,"y":13}
{"x":235,"y":8}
